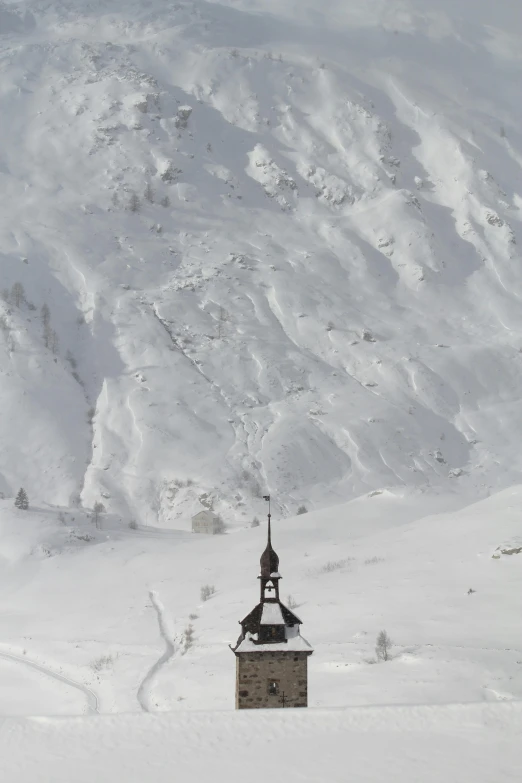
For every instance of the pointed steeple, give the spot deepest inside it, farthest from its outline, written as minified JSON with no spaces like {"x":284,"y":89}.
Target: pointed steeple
{"x":270,"y":622}
{"x":271,"y":654}
{"x":269,"y":560}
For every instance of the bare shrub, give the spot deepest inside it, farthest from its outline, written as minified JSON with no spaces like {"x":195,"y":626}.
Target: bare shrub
{"x":334,"y":565}
{"x":188,"y":637}
{"x":383,"y":646}
{"x":255,"y":522}
{"x":133,"y":524}
{"x":222,"y":320}
{"x":97,"y":509}
{"x":180,"y":484}
{"x":206,"y":592}
{"x":302,"y":510}
{"x":134,"y":203}
{"x":193,"y":616}
{"x":102,"y":663}
{"x":18,"y":295}
{"x":373,"y":560}
{"x":148,"y":195}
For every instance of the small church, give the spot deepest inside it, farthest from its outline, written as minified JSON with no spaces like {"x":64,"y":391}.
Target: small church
{"x":271,"y":655}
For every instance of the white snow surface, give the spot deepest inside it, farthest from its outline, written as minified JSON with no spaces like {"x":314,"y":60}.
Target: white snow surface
{"x":318,"y":293}
{"x":98,"y":621}
{"x":295,"y":643}
{"x":272,"y":614}
{"x":478,"y":743}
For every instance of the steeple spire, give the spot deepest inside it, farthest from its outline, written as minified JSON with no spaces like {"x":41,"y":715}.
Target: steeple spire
{"x":269,"y":562}
{"x":270,"y":645}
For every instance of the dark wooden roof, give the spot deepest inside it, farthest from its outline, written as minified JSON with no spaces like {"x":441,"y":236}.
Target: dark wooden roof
{"x":252,"y":621}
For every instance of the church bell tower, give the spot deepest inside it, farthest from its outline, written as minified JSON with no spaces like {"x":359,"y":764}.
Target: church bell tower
{"x":271,"y":655}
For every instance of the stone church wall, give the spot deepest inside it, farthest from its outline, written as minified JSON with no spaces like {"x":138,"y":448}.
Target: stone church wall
{"x":256,"y":670}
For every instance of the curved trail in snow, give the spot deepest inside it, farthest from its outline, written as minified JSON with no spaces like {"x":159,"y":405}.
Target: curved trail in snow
{"x":91,"y":697}
{"x":144,"y":694}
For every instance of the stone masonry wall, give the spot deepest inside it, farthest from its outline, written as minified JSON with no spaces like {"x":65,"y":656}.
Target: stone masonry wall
{"x":254,"y":670}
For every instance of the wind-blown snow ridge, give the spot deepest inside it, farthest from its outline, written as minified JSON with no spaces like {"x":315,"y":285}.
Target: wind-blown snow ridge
{"x":279,"y":246}
{"x":144,"y":695}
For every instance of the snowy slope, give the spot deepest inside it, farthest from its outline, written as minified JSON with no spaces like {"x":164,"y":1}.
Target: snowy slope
{"x":97,"y":621}
{"x":403,"y":745}
{"x":278,"y":241}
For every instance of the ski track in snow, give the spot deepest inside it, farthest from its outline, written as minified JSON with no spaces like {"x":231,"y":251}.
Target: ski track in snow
{"x":144,"y":694}
{"x":91,"y":697}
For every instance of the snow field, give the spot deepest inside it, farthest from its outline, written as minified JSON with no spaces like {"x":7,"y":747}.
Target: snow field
{"x":113,"y":613}
{"x":452,"y":743}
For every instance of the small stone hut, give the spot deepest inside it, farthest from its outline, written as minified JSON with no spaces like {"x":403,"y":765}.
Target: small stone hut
{"x":206,"y":522}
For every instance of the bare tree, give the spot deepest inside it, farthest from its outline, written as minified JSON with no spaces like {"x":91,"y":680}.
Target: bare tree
{"x":134,"y":203}
{"x":45,"y":315}
{"x":98,"y":509}
{"x":165,"y":201}
{"x":54,"y":342}
{"x":188,"y":636}
{"x":255,"y":522}
{"x":207,"y":591}
{"x":148,"y":195}
{"x":223,"y":318}
{"x":383,"y":647}
{"x":18,"y":294}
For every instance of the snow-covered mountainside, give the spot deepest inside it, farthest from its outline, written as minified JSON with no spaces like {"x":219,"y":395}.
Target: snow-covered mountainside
{"x":278,"y":244}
